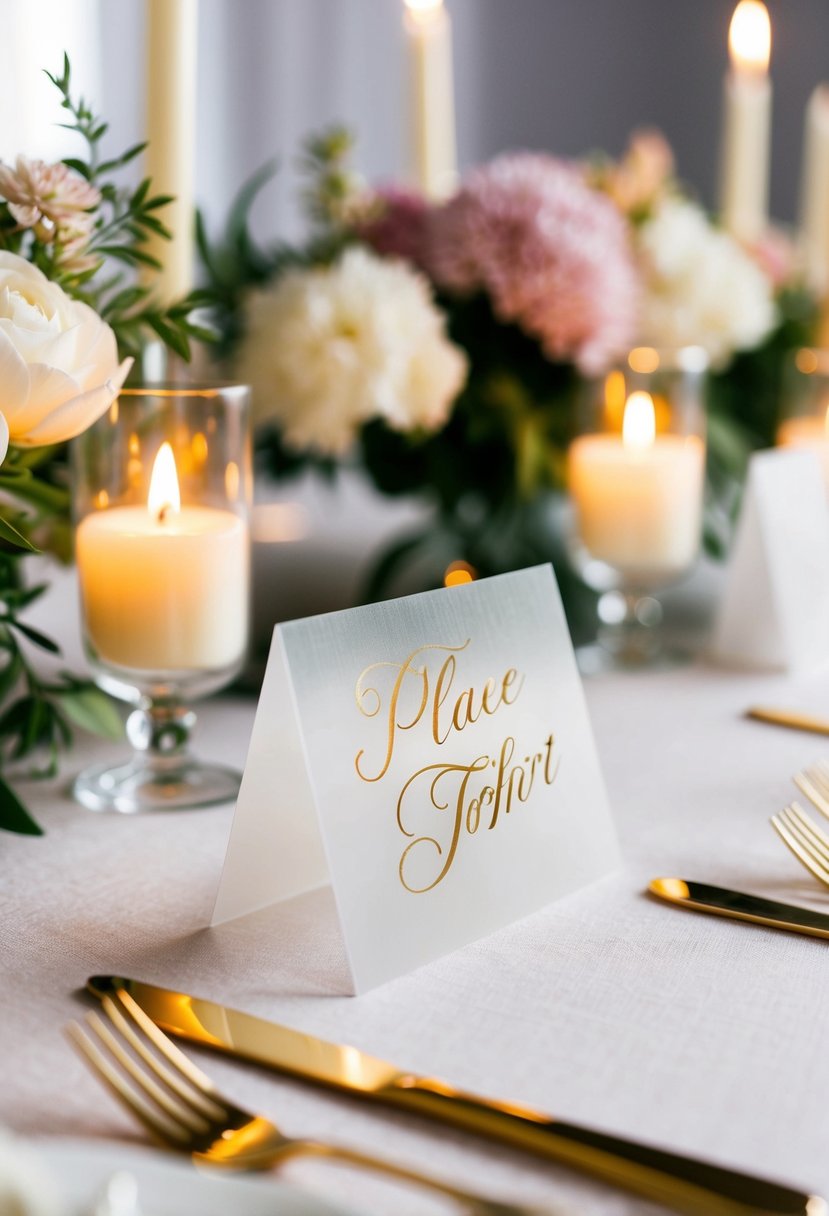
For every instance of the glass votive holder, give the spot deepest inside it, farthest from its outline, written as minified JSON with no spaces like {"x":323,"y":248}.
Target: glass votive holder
{"x":636,"y":475}
{"x":805,"y":405}
{"x":161,"y":502}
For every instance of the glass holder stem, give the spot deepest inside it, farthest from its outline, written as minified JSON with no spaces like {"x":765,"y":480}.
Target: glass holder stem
{"x":161,"y":775}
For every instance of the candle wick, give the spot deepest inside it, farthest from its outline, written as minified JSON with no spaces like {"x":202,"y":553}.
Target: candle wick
{"x":163,"y":513}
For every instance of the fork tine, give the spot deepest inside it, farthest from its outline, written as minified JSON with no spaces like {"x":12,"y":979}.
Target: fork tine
{"x":184,"y":1115}
{"x":167,"y":1047}
{"x":188,"y":1092}
{"x":795,"y":814}
{"x":810,"y":783}
{"x":803,"y":837}
{"x":802,"y":856}
{"x":161,"y":1128}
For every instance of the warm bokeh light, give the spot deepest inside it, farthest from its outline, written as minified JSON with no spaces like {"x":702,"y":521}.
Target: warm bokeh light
{"x":614,"y":400}
{"x":643,"y":359}
{"x":232,"y":479}
{"x":458,"y":573}
{"x":164,"y":497}
{"x":198,"y":447}
{"x":806,"y":361}
{"x":749,"y":37}
{"x":639,"y":425}
{"x":102,"y":500}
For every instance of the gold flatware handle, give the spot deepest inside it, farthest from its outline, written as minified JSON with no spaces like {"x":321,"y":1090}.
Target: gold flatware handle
{"x":683,"y":1184}
{"x":738,"y":905}
{"x":789,"y":718}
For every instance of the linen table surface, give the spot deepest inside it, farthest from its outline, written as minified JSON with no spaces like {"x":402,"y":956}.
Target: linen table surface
{"x":691,"y":1032}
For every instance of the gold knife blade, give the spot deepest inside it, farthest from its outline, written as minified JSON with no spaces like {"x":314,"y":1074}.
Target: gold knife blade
{"x":683,"y":1184}
{"x":740,"y":906}
{"x":788,"y":718}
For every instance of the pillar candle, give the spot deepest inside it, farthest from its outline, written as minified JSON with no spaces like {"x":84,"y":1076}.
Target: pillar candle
{"x":744,"y":172}
{"x":164,"y":587}
{"x":172,"y":35}
{"x":638,"y":495}
{"x":431,"y":97}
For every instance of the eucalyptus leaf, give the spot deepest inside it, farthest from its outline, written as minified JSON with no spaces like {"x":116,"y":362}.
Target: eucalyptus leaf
{"x":13,"y":815}
{"x":91,"y":710}
{"x":9,"y":533}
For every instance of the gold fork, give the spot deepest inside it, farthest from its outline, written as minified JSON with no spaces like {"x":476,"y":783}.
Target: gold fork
{"x":179,"y":1106}
{"x":814,"y":783}
{"x":805,"y":839}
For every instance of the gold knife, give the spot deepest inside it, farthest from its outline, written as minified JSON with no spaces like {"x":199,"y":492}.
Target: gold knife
{"x":739,"y":906}
{"x":788,"y":718}
{"x":697,"y":1188}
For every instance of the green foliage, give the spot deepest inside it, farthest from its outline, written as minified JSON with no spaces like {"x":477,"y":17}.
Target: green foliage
{"x":124,"y":221}
{"x":38,"y":714}
{"x":235,"y":262}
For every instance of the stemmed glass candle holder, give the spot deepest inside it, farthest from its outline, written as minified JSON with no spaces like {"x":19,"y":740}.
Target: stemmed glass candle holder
{"x":161,"y":498}
{"x":806,"y":405}
{"x":636,"y":478}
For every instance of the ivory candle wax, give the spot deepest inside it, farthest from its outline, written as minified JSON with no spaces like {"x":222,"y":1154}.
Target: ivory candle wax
{"x":638,"y":496}
{"x":744,"y":171}
{"x":165,"y":588}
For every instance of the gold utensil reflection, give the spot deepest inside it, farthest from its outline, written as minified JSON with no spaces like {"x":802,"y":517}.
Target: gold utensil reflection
{"x":179,"y":1106}
{"x":788,"y":718}
{"x":683,"y":1184}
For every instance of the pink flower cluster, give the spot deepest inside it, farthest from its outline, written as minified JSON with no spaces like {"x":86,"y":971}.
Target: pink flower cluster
{"x":397,"y":225}
{"x":56,"y":203}
{"x":553,"y":255}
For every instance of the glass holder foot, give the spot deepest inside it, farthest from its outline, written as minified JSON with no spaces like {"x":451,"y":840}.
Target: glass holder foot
{"x":161,"y":775}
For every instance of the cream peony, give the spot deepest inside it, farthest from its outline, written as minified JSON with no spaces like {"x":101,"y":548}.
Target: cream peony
{"x":59,"y":367}
{"x":328,"y":348}
{"x":701,"y":287}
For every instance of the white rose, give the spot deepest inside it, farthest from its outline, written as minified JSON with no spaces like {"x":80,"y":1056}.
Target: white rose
{"x":59,"y":367}
{"x":701,"y":287}
{"x":330,"y":347}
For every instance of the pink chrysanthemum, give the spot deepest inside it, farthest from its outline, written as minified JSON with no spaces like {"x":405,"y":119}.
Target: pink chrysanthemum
{"x":397,"y":225}
{"x":552,"y":253}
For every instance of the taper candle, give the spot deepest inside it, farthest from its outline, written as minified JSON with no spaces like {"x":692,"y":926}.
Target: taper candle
{"x":431,"y":97}
{"x":172,"y":35}
{"x":744,"y":170}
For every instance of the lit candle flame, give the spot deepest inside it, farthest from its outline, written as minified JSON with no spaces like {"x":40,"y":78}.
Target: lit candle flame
{"x":639,"y":423}
{"x":164,"y":498}
{"x":749,"y":38}
{"x":423,"y":11}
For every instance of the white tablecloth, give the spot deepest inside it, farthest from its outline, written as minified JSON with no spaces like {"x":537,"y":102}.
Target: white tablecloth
{"x":694,"y":1033}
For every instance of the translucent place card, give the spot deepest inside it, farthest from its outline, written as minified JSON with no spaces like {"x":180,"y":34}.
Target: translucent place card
{"x":431,"y":758}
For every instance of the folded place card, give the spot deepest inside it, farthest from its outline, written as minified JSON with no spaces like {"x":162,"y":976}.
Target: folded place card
{"x":430,"y":757}
{"x":775,"y":612}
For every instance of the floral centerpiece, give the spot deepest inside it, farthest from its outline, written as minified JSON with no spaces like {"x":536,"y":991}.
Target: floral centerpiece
{"x":444,"y":346}
{"x":70,"y":327}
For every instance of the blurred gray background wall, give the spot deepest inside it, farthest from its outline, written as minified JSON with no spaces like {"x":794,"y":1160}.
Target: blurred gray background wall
{"x":564,"y":75}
